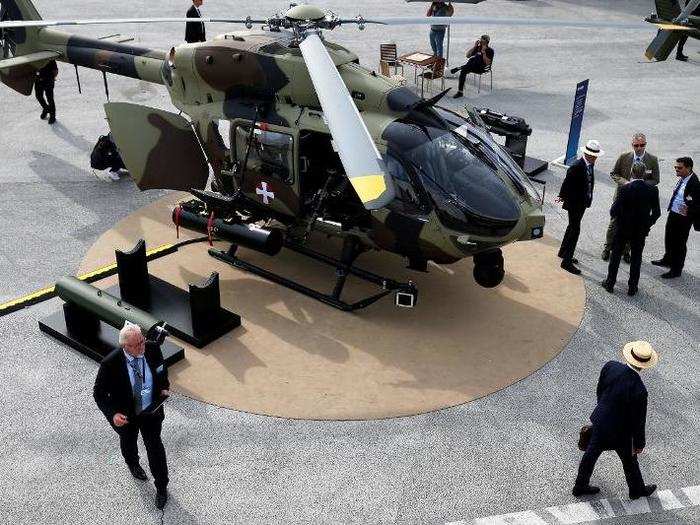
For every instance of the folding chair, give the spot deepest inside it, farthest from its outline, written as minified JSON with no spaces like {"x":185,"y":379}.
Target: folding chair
{"x":488,"y":70}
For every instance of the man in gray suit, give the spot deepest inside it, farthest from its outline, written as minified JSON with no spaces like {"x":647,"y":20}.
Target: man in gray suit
{"x":621,"y":173}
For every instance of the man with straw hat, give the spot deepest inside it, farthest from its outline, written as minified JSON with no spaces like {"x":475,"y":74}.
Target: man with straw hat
{"x":619,"y":419}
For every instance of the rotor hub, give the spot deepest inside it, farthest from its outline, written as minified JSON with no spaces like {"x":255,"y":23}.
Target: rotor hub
{"x":305,"y":13}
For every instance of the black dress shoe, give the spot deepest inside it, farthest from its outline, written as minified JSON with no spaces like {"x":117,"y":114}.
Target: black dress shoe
{"x":648,"y":491}
{"x":138,"y":472}
{"x":52,"y":119}
{"x":44,"y":113}
{"x":682,"y":58}
{"x":569,"y":267}
{"x":586,"y":490}
{"x":608,"y":287}
{"x":454,"y":70}
{"x":162,"y":498}
{"x":670,"y":275}
{"x":605,"y":255}
{"x":459,"y":94}
{"x":632,"y":291}
{"x":661,"y":262}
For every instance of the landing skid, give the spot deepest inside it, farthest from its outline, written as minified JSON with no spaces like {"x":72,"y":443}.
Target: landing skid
{"x":406,"y":293}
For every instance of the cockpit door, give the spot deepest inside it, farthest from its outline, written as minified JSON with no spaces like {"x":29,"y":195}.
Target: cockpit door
{"x":269,"y":176}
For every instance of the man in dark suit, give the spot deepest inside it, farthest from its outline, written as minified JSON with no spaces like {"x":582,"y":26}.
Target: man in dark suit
{"x":576,"y":194}
{"x":621,"y":174}
{"x":683,"y":212}
{"x":129,"y":380}
{"x":43,"y":87}
{"x":619,"y":419}
{"x":684,"y":38}
{"x":635,"y":210}
{"x":194,"y":31}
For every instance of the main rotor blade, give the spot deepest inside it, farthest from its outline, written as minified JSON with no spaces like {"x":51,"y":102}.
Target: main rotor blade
{"x":362,"y":162}
{"x":482,"y":20}
{"x":106,"y":21}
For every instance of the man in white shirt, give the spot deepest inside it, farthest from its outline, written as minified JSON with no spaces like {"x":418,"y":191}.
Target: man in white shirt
{"x":683,"y":211}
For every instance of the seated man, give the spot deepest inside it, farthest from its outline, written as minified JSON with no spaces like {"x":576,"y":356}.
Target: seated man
{"x":480,"y":56}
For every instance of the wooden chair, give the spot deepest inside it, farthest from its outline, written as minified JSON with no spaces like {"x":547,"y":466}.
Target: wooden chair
{"x":436,"y":72}
{"x":388,"y":57}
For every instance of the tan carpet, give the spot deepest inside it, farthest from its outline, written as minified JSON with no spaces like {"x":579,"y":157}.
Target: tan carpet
{"x":294,"y":357}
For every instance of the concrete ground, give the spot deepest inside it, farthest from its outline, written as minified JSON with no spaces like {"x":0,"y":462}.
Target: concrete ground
{"x":506,"y":458}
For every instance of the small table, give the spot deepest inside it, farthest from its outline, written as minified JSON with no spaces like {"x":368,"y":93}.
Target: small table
{"x":418,"y":60}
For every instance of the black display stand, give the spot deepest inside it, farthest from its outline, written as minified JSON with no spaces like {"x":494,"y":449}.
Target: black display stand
{"x":195,"y":317}
{"x":88,"y":335}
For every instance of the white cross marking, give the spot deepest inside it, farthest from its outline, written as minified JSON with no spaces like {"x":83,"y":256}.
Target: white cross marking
{"x":266,"y":195}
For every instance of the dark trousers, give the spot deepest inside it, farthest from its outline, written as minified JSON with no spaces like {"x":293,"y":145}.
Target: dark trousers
{"x":620,"y":243}
{"x":473,"y":65}
{"x":675,"y":240}
{"x":150,"y":428}
{"x":630,"y":465}
{"x":42,"y":90}
{"x":568,"y":243}
{"x":681,"y":44}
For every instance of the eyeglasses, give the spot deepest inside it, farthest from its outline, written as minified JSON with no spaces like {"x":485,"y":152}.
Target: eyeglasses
{"x":678,"y":167}
{"x":639,"y":145}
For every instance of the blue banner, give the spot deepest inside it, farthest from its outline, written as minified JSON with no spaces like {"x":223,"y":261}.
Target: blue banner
{"x":576,"y":122}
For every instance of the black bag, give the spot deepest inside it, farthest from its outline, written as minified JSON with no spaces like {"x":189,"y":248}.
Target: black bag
{"x":105,"y":155}
{"x":584,"y":437}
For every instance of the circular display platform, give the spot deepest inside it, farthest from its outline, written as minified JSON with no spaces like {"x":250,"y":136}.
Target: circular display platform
{"x":294,"y":357}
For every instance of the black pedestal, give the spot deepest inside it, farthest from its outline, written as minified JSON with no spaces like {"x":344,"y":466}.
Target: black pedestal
{"x":534,"y":166}
{"x":172,"y":305}
{"x":101,"y":343}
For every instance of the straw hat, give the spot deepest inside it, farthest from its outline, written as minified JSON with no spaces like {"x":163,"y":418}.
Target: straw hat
{"x":593,"y":149}
{"x":640,"y":354}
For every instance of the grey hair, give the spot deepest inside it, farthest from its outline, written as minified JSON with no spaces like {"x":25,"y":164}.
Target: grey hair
{"x":638,"y":170}
{"x":639,"y":135}
{"x":127,"y":329}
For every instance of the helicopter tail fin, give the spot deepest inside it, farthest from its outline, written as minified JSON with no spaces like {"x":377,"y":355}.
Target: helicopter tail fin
{"x":20,"y":54}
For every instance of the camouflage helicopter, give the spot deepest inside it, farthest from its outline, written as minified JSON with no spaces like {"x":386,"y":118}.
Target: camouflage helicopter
{"x":317,"y":143}
{"x":674,"y":23}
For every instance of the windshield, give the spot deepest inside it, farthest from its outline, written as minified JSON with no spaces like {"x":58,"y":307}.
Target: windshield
{"x":460,"y":177}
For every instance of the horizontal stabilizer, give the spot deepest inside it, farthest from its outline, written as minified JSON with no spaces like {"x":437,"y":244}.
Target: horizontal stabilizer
{"x":28,"y":59}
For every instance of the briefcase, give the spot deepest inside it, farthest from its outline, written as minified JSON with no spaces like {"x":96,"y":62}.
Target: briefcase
{"x":584,"y":437}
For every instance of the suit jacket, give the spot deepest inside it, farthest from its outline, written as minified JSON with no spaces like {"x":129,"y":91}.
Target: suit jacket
{"x":194,"y":31}
{"x":113,"y":392}
{"x":622,"y":170}
{"x":691,"y":198}
{"x":620,"y":415}
{"x":636,"y":208}
{"x":574,"y":189}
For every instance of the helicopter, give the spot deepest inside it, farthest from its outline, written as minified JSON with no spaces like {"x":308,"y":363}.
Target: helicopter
{"x":318,"y":143}
{"x":674,"y":23}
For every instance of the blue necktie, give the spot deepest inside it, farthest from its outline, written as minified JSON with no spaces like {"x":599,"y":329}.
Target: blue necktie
{"x":138,"y":383}
{"x":675,"y":192}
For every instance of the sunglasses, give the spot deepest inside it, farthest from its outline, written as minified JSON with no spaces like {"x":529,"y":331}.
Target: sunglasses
{"x":639,"y":145}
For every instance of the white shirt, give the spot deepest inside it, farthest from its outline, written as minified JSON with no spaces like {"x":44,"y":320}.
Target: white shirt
{"x":146,"y":381}
{"x":679,"y":200}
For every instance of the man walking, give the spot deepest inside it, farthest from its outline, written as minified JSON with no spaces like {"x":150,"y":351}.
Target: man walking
{"x":129,"y":380}
{"x":621,"y":174}
{"x":195,"y":31}
{"x":635,"y":211}
{"x":576,"y":194}
{"x":683,"y":212}
{"x":43,"y":87}
{"x":619,"y":419}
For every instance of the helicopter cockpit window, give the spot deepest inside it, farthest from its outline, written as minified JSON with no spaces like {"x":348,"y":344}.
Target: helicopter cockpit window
{"x":407,"y":199}
{"x":271,"y":153}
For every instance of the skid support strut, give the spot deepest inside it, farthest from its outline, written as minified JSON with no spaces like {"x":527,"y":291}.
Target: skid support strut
{"x":406,"y":293}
